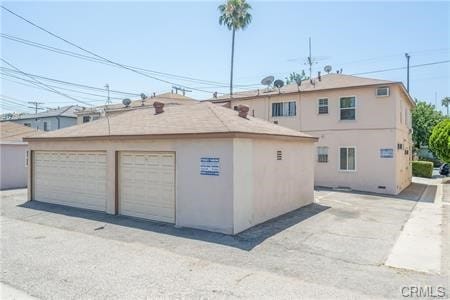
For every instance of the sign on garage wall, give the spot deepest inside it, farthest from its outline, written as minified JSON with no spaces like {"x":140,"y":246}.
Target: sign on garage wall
{"x":387,"y":153}
{"x":209,"y":166}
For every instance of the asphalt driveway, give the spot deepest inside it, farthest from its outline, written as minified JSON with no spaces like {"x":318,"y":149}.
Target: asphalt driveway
{"x":335,"y":247}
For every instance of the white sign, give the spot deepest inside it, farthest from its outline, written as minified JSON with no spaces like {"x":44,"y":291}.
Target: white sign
{"x":209,"y":166}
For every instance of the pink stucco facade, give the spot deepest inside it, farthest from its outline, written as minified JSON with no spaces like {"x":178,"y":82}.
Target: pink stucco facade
{"x":379,"y":135}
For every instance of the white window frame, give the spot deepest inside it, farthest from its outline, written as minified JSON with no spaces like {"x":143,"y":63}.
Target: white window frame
{"x":319,"y":153}
{"x":319,"y":106}
{"x":340,"y":108}
{"x":339,"y":160}
{"x":383,"y":87}
{"x":284,"y":105}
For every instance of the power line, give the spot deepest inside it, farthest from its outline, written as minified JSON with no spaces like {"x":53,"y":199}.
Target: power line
{"x":402,"y":68}
{"x":99,"y":56}
{"x":93,"y":59}
{"x":48,"y":87}
{"x":72,"y":83}
{"x":61,"y":88}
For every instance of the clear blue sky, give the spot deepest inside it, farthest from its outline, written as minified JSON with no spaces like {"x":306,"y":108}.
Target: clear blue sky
{"x":185,"y":38}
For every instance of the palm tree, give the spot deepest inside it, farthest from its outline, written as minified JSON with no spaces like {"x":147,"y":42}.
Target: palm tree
{"x":235,"y":15}
{"x":446,"y":102}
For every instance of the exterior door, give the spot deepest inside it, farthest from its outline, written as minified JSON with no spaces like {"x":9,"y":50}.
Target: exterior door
{"x":73,"y":178}
{"x":147,"y":185}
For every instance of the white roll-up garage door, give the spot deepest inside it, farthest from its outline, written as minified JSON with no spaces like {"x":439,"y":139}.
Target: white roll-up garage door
{"x":147,"y":185}
{"x":70,"y":178}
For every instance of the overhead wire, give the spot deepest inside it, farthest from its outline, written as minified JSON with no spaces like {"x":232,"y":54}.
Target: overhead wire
{"x":99,"y":56}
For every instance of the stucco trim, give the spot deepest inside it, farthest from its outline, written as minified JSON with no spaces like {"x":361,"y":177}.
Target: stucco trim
{"x":177,"y":136}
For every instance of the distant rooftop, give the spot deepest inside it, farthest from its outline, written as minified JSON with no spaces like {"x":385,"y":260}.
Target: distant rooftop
{"x":13,"y":132}
{"x":166,"y":98}
{"x":65,"y":111}
{"x":327,"y":81}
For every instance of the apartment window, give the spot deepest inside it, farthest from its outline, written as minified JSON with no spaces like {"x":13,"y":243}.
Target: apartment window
{"x":86,"y":119}
{"x":347,"y":157}
{"x":348,"y":105}
{"x":383,"y":91}
{"x":45,"y":126}
{"x":323,"y":106}
{"x":284,"y":109}
{"x":322,"y":154}
{"x":399,"y":146}
{"x":27,"y":124}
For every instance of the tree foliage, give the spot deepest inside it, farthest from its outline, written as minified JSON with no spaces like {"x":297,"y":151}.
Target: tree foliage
{"x":235,"y":14}
{"x":424,"y":118}
{"x":440,"y":140}
{"x":295,"y":77}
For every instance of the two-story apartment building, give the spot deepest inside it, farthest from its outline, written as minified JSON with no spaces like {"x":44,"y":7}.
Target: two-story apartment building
{"x":363,"y":126}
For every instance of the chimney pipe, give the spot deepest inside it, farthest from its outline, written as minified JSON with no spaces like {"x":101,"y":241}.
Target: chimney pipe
{"x":159,"y":107}
{"x":243,"y":110}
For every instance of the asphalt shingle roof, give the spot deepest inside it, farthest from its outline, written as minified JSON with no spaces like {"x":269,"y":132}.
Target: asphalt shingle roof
{"x":328,"y":81}
{"x":13,"y":132}
{"x":198,"y":118}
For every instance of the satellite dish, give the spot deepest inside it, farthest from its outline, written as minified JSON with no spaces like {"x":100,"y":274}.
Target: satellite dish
{"x":143,"y":96}
{"x":267,"y":80}
{"x":278,"y":83}
{"x":126,"y":102}
{"x":327,"y":69}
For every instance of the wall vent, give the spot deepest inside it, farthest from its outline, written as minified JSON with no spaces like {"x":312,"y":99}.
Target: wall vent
{"x":279,"y":155}
{"x":382,"y":187}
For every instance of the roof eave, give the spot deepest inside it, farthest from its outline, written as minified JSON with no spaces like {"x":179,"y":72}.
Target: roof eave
{"x":234,"y":134}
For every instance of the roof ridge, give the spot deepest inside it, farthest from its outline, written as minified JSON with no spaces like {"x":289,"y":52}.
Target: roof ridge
{"x":219,"y":118}
{"x":67,"y":108}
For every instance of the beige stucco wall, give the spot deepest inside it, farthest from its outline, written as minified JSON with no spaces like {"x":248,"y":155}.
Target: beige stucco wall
{"x":252,"y":185}
{"x":381,"y":122}
{"x":13,"y":170}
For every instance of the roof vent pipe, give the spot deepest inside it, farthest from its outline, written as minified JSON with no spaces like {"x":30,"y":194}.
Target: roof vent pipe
{"x":243,"y":110}
{"x":159,"y":107}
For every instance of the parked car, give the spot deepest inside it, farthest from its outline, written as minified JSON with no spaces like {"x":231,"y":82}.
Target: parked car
{"x":444,"y":169}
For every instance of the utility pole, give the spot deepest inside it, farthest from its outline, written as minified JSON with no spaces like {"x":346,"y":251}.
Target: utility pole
{"x":407,"y":71}
{"x":108,"y":100}
{"x":36,"y":107}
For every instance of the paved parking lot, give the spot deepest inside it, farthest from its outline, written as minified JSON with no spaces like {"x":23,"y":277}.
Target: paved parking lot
{"x":335,"y":247}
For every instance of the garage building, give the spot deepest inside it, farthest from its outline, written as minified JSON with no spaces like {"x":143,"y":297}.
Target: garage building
{"x":201,"y":166}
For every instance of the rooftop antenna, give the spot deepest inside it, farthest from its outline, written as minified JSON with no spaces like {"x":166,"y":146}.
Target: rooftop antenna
{"x":310,"y":61}
{"x":327,"y":69}
{"x":267,"y":81}
{"x":108,"y":100}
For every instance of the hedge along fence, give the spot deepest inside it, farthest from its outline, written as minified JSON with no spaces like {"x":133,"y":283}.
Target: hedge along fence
{"x":422,"y":169}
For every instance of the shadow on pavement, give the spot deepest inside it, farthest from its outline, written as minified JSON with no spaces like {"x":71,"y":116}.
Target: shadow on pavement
{"x":412,"y":193}
{"x":245,"y":240}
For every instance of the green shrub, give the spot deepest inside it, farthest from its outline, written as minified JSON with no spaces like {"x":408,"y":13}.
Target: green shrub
{"x":440,"y":140}
{"x":436,"y":162}
{"x":422,"y":169}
